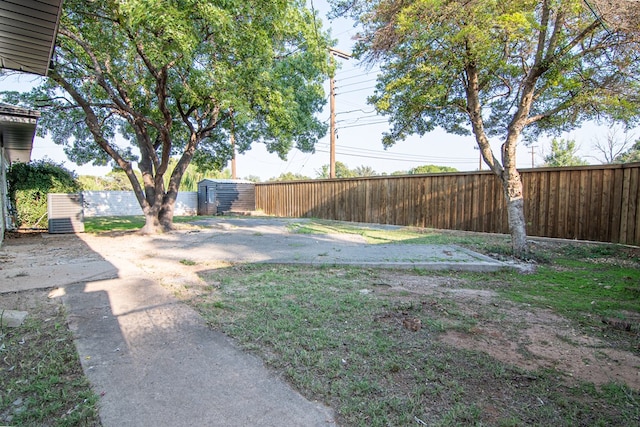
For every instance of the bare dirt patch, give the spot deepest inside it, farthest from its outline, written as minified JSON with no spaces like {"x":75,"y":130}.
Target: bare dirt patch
{"x":530,"y":338}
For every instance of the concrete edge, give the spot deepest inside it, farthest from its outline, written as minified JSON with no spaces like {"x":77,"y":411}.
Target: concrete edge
{"x":478,"y":267}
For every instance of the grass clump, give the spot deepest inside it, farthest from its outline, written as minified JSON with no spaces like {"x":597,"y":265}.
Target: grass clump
{"x":101,"y":224}
{"x":42,"y":380}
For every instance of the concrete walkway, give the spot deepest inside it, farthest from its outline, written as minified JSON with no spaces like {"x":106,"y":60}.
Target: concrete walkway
{"x":156,"y":363}
{"x":152,"y":359}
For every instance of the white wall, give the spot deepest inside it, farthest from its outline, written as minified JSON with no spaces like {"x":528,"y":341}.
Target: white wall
{"x":124,"y":203}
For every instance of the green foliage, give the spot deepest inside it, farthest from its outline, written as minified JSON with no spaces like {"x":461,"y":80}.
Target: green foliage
{"x":141,"y":81}
{"x":431,"y":169}
{"x":496,"y":39}
{"x":289,"y":176}
{"x":115,"y":180}
{"x":363,"y":171}
{"x":29,"y":184}
{"x":630,"y":156}
{"x":511,"y":70}
{"x":342,"y":171}
{"x":194,"y":174}
{"x":563,"y":153}
{"x":252,"y":178}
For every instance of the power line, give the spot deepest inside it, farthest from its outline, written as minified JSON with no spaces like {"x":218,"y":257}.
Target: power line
{"x":356,"y":71}
{"x":353,"y":111}
{"x":355,"y":90}
{"x":414,"y":160}
{"x":356,"y":77}
{"x":363,"y":124}
{"x":408,"y":156}
{"x":355,"y":119}
{"x":356,"y":83}
{"x":353,"y":104}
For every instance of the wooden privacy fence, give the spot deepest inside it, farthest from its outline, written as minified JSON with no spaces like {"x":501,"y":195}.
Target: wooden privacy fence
{"x":599,"y":203}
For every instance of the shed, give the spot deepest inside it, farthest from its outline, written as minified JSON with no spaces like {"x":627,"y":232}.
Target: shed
{"x":219,"y":196}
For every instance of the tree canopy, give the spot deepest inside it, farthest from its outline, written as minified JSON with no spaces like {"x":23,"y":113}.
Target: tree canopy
{"x":510,"y":70}
{"x":140,"y":81}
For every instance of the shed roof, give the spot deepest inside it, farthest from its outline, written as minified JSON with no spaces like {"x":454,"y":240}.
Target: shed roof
{"x":225,"y":181}
{"x":28,"y":31}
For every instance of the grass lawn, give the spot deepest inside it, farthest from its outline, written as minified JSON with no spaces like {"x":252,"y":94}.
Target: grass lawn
{"x":375,"y":349}
{"x":41,"y":380}
{"x":415,"y":347}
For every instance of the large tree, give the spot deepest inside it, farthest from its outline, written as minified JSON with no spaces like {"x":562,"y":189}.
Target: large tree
{"x":142,"y":81}
{"x":504,"y":69}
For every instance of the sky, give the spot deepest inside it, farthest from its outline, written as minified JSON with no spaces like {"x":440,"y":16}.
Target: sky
{"x":359,"y":131}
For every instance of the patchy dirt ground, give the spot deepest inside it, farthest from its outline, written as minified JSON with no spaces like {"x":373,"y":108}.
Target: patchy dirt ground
{"x":530,"y":338}
{"x":513,"y":333}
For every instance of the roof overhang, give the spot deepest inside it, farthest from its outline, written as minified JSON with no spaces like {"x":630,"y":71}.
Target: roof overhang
{"x":28,"y":31}
{"x":17,"y":130}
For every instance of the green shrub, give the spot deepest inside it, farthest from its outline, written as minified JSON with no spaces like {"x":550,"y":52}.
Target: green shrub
{"x":29,"y":184}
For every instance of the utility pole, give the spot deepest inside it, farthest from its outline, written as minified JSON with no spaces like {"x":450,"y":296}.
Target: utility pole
{"x":332,"y":118}
{"x":480,"y":157}
{"x":533,"y":154}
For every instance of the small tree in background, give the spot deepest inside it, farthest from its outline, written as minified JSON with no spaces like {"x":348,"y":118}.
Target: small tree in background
{"x":631,"y":156}
{"x":342,"y":171}
{"x":431,"y":169}
{"x":289,"y":176}
{"x":253,"y":178}
{"x":563,"y":153}
{"x":29,"y":184}
{"x":364,"y":171}
{"x":116,"y":180}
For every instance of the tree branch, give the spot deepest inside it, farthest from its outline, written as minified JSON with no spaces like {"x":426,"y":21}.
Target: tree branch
{"x":93,"y":123}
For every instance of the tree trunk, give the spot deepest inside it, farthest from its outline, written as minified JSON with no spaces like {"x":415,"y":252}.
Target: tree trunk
{"x":151,"y":223}
{"x":512,"y":185}
{"x":507,"y":171}
{"x":159,"y":219}
{"x":165,"y":216}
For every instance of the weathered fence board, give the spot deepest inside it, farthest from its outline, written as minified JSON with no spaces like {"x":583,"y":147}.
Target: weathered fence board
{"x":599,"y":203}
